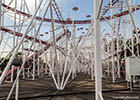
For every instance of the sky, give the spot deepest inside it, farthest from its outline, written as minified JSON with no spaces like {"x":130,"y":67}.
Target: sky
{"x":85,"y":7}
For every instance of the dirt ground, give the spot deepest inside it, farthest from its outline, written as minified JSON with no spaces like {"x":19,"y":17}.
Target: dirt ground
{"x":82,"y":88}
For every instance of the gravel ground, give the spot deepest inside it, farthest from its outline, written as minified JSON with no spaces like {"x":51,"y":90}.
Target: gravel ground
{"x":82,"y":88}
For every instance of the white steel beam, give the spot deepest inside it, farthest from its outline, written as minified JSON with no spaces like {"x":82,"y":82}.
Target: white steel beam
{"x":18,"y":46}
{"x":112,"y":44}
{"x":19,"y":72}
{"x":98,"y":62}
{"x":0,"y":21}
{"x":54,"y":44}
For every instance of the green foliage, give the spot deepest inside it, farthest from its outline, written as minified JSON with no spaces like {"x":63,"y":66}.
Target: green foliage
{"x":4,"y":63}
{"x":19,"y":54}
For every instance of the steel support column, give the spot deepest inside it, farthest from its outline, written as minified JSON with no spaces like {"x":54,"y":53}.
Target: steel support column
{"x":0,"y":20}
{"x":18,"y":46}
{"x":97,"y":43}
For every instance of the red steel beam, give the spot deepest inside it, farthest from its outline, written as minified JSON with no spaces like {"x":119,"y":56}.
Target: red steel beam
{"x":75,"y":21}
{"x":36,"y":40}
{"x":120,"y":14}
{"x":113,"y":3}
{"x":20,"y":35}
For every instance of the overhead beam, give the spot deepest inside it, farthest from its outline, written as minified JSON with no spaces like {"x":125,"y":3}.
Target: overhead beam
{"x":74,"y":21}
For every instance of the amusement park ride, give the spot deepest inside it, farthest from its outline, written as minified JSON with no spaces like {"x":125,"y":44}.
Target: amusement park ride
{"x":66,"y":52}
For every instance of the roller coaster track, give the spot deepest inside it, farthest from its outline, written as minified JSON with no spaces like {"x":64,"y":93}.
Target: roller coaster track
{"x":20,"y":35}
{"x":47,"y":46}
{"x":59,"y":22}
{"x":61,"y":49}
{"x":36,"y":40}
{"x":108,"y":5}
{"x":75,"y":21}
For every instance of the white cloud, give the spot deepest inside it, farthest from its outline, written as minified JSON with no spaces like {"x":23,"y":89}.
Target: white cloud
{"x":31,"y":5}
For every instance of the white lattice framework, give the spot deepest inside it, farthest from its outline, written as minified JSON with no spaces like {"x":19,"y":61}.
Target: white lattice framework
{"x":52,"y":45}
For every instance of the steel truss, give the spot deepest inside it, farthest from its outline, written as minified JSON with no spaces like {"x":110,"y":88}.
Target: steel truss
{"x":63,"y":54}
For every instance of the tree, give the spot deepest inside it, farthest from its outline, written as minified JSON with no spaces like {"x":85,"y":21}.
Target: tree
{"x":4,"y":63}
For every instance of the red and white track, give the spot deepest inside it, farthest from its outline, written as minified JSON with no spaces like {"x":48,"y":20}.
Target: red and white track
{"x":74,"y":21}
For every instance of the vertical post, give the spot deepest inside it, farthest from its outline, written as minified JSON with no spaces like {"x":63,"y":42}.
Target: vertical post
{"x":117,"y":42}
{"x":34,"y":58}
{"x":12,"y":73}
{"x":40,"y":24}
{"x":73,"y":40}
{"x":0,"y":11}
{"x":108,"y":64}
{"x":17,"y":85}
{"x":113,"y":47}
{"x":18,"y":46}
{"x":38,"y":68}
{"x":0,"y":21}
{"x":54,"y":44}
{"x":34,"y":65}
{"x":118,"y":55}
{"x":137,"y":36}
{"x":14,"y":37}
{"x":23,"y":72}
{"x":98,"y":65}
{"x":124,"y":40}
{"x":28,"y":73}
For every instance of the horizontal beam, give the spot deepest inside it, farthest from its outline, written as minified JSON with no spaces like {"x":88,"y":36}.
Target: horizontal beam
{"x":74,"y":21}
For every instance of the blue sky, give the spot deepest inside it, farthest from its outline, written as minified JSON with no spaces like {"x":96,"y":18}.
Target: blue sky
{"x":85,"y":8}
